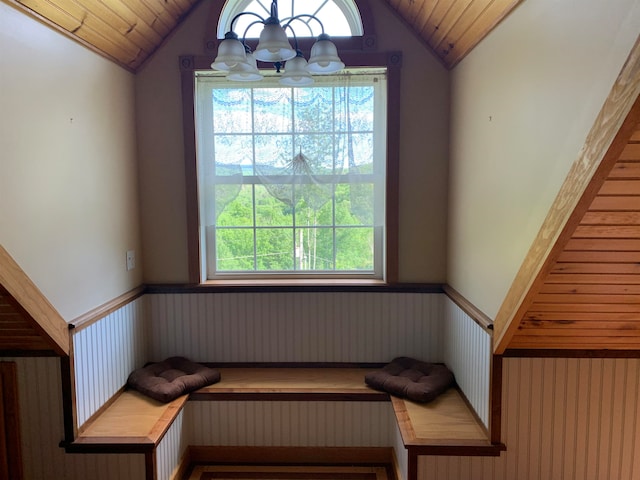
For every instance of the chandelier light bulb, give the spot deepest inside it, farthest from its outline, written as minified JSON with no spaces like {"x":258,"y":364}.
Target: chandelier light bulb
{"x":231,"y":51}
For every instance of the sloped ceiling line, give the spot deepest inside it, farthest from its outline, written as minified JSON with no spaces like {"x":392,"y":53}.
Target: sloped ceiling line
{"x":452,"y":28}
{"x":128,"y":32}
{"x":588,"y":300}
{"x":35,"y":315}
{"x":606,"y":142}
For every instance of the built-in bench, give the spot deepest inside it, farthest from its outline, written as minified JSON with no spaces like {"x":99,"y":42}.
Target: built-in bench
{"x":130,"y":423}
{"x":135,"y":423}
{"x":274,"y":412}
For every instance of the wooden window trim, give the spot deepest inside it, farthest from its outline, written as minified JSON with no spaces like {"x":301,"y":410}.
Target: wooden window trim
{"x":10,"y":446}
{"x":391,"y":60}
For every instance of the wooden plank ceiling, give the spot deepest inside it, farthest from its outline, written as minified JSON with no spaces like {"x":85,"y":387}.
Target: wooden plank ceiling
{"x":125,"y":31}
{"x":590,"y":299}
{"x":129,"y":31}
{"x":18,"y":330}
{"x":452,"y":28}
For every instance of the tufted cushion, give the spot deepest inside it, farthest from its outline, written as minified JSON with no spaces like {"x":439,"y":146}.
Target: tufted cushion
{"x":409,"y":378}
{"x":175,"y":376}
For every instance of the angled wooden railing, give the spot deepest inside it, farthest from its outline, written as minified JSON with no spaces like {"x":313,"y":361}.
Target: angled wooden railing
{"x":47,"y":321}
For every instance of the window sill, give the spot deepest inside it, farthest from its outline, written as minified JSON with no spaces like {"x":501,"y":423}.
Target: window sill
{"x":292,"y":285}
{"x":292,"y":282}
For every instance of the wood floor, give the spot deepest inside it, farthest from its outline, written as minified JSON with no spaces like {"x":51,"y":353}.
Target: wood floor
{"x":285,"y":472}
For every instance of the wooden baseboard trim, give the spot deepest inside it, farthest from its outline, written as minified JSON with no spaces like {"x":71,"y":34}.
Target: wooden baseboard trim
{"x":291,"y":455}
{"x":567,"y":353}
{"x":300,"y":286}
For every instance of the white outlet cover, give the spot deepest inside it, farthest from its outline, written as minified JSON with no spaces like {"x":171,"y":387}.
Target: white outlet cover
{"x":131,"y":259}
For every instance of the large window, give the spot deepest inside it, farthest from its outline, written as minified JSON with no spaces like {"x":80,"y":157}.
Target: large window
{"x":292,"y":180}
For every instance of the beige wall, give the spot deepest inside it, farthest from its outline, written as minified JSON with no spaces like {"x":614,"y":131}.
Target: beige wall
{"x":522,"y":104}
{"x":68,"y":174}
{"x":424,"y":140}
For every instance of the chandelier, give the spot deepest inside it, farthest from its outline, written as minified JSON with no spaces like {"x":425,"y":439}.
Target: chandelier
{"x":236,"y":58}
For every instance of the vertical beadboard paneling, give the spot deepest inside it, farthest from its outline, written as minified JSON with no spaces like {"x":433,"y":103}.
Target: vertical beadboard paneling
{"x":562,"y":419}
{"x":401,"y":453}
{"x":467,"y":352}
{"x":297,"y":326}
{"x":172,"y":448}
{"x":275,"y":423}
{"x":104,"y":467}
{"x":41,"y":430}
{"x":106,"y":352}
{"x":41,"y":427}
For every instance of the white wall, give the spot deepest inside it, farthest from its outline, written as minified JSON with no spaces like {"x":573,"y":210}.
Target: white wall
{"x":68,"y":174}
{"x":423,"y":152}
{"x":523,"y":102}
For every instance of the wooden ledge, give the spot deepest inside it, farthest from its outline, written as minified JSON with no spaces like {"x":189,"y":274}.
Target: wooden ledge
{"x":132,"y":423}
{"x":304,"y":384}
{"x":445,"y":426}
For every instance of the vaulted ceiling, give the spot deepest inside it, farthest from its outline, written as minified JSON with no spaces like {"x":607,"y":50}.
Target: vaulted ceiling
{"x":129,"y":31}
{"x":581,"y":292}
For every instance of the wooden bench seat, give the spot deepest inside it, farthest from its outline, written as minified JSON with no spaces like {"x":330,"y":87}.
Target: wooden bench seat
{"x":131,"y":423}
{"x":135,"y":423}
{"x":445,"y":426}
{"x":340,"y":384}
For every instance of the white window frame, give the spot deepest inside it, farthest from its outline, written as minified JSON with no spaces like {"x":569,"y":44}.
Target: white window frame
{"x":205,"y":80}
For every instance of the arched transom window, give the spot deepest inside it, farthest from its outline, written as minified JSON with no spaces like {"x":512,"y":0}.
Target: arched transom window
{"x":340,"y":18}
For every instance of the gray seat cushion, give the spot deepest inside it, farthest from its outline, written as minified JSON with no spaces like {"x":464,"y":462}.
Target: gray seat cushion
{"x":175,"y":376}
{"x":409,"y":378}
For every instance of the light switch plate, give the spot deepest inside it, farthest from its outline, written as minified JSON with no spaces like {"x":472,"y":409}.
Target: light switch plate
{"x":131,"y":259}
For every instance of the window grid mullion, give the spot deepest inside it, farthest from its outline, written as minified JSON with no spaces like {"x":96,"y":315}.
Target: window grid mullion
{"x":333,"y":199}
{"x":293,"y":186}
{"x":253,"y":185}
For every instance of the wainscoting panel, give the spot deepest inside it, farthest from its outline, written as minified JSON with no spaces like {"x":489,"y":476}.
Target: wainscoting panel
{"x":41,"y":425}
{"x":467,"y":352}
{"x":562,"y":419}
{"x":296,"y":326}
{"x":106,"y":352}
{"x":302,"y":424}
{"x":171,"y":448}
{"x":401,"y":453}
{"x":40,"y":397}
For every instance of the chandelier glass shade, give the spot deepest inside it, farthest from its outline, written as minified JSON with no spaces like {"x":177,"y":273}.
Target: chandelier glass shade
{"x":246,"y":71}
{"x":235,"y":56}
